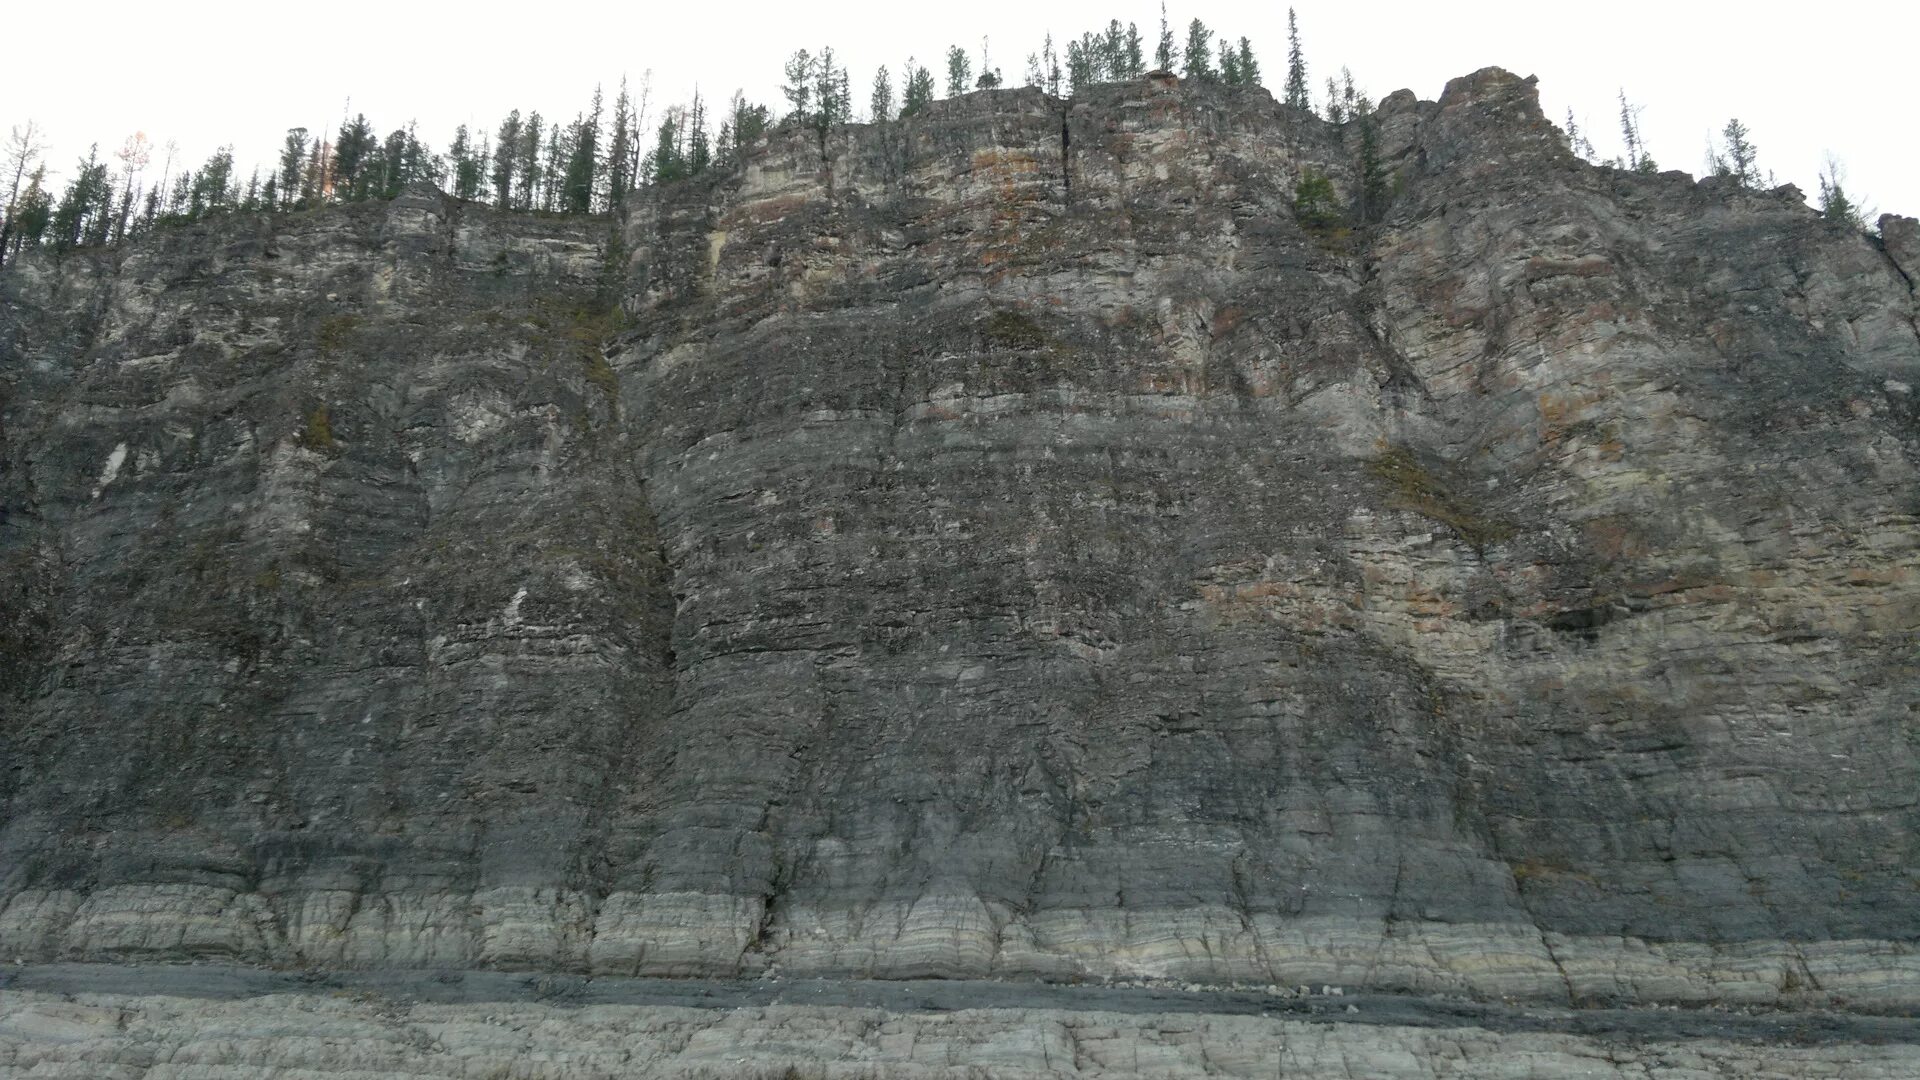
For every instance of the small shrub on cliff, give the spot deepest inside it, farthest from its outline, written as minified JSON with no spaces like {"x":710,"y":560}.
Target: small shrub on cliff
{"x":1315,"y":205}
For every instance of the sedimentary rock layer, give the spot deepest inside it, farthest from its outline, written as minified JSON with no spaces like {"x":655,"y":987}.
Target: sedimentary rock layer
{"x":1001,"y":543}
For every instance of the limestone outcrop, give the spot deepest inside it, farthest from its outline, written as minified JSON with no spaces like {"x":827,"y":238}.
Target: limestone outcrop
{"x":1001,"y":544}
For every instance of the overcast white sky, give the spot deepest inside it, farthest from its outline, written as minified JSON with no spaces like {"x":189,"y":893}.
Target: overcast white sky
{"x":1806,"y":79}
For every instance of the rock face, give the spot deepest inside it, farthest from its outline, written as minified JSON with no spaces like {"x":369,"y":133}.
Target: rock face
{"x":1003,"y":543}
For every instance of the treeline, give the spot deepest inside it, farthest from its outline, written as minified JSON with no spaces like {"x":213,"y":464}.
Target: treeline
{"x":592,"y":163}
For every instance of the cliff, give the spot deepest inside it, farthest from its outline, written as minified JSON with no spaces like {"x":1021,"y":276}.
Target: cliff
{"x":1000,"y":544}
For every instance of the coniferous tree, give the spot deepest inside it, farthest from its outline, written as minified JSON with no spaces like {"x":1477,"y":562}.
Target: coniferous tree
{"x":553,"y":167}
{"x":270,"y":190}
{"x":1637,"y":157}
{"x":918,"y":96}
{"x":1835,"y":205}
{"x":352,"y":153}
{"x":1136,"y":60}
{"x":1163,"y":53}
{"x":80,"y":204}
{"x":1035,"y":77}
{"x":576,"y":196}
{"x":832,"y":93}
{"x":293,"y":161}
{"x":1050,"y":63}
{"x":24,"y":147}
{"x":1577,"y":141}
{"x":667,"y":160}
{"x":33,"y":212}
{"x":619,"y":148}
{"x":798,"y":89}
{"x":532,"y":178}
{"x":746,"y":124}
{"x":134,"y":155}
{"x":1738,"y":160}
{"x":1249,"y":67}
{"x":211,"y":185}
{"x":465,"y":164}
{"x":1198,"y":59}
{"x":507,"y":161}
{"x":1113,"y":50}
{"x":989,"y":75}
{"x":1080,"y":66}
{"x":1375,"y":186}
{"x":1229,"y":65}
{"x":880,"y":103}
{"x":1335,"y":114}
{"x":959,"y":71}
{"x":1296,"y":92}
{"x":315,"y":182}
{"x":699,"y":154}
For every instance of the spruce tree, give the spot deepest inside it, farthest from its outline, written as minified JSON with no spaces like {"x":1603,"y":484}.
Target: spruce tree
{"x":553,"y":167}
{"x":33,"y":212}
{"x":1375,"y":185}
{"x":1296,"y":92}
{"x":880,"y":103}
{"x":959,"y":71}
{"x":1136,"y":60}
{"x":1080,"y":66}
{"x":507,"y":161}
{"x":833,"y":93}
{"x":1249,"y":67}
{"x":1198,"y":58}
{"x":583,"y":159}
{"x":1835,"y":206}
{"x":1637,"y":157}
{"x":465,"y":162}
{"x":1738,"y":160}
{"x":352,"y":153}
{"x":619,"y":149}
{"x":533,"y":179}
{"x":293,"y":159}
{"x":1163,"y":53}
{"x":918,"y":95}
{"x":668,"y":160}
{"x":798,"y":89}
{"x":1229,"y":65}
{"x":80,"y":203}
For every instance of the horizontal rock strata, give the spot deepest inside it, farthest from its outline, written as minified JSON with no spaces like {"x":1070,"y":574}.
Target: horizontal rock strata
{"x":1003,"y":543}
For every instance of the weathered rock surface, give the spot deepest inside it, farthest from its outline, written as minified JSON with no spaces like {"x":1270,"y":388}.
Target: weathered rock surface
{"x":552,"y":1029}
{"x":999,"y":544}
